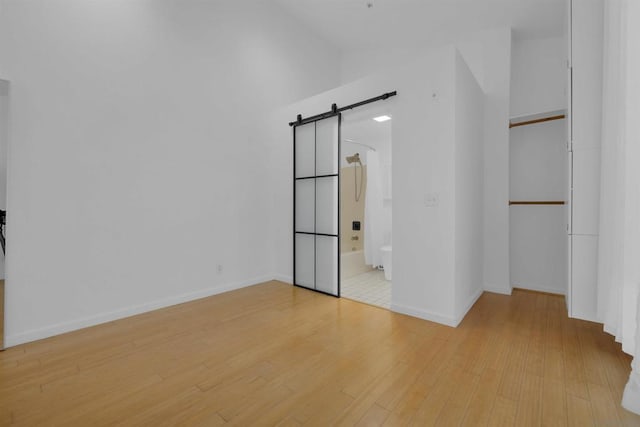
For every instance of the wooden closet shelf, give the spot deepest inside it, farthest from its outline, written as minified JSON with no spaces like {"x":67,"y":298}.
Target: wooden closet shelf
{"x":536,"y":202}
{"x":534,"y":121}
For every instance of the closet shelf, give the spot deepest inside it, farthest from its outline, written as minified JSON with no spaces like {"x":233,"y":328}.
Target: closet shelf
{"x":536,"y":118}
{"x":536,"y":202}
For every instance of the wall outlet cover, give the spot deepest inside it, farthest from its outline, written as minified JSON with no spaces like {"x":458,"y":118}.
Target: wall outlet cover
{"x":431,"y":200}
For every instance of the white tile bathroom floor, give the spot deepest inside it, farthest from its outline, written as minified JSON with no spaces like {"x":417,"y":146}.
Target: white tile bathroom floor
{"x":370,"y":288}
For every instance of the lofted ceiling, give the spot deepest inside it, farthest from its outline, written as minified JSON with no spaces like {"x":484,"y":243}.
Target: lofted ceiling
{"x":351,"y":24}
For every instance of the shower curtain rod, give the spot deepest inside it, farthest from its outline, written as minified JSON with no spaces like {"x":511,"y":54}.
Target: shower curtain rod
{"x":336,"y":110}
{"x":351,"y":141}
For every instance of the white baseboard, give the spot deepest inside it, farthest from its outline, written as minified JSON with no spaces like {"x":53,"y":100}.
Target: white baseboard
{"x":424,"y":314}
{"x":472,"y":300}
{"x":546,"y":289}
{"x":437,"y":317}
{"x":73,"y":325}
{"x":588,"y":317}
{"x":631,"y":395}
{"x":497,"y":289}
{"x":283,"y":278}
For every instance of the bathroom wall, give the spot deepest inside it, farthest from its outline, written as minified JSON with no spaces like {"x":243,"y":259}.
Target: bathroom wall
{"x":469,"y":188}
{"x":423,"y":135}
{"x":488,"y":55}
{"x":350,"y":209}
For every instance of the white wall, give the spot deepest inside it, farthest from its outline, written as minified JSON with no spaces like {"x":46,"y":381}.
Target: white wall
{"x":422,"y":134}
{"x":538,"y":76}
{"x":136,"y":167}
{"x":423,"y":139}
{"x":360,"y":63}
{"x":586,"y":60}
{"x":488,"y":55}
{"x":469,"y":188}
{"x":4,"y":141}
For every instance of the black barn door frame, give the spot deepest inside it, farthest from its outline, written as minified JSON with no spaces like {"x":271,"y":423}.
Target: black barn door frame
{"x":300,"y":121}
{"x":315,"y":177}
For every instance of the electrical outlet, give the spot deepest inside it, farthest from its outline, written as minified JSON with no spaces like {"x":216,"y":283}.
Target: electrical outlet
{"x":431,"y":200}
{"x":219,"y":268}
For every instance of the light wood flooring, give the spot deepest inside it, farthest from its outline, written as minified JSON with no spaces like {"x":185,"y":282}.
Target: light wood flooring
{"x":1,"y":315}
{"x":273,"y":354}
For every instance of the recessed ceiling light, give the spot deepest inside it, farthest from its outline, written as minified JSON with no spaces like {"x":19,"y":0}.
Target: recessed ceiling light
{"x":382,"y":118}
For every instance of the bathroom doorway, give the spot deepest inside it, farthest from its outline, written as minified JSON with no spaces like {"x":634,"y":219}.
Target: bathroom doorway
{"x":366,"y":205}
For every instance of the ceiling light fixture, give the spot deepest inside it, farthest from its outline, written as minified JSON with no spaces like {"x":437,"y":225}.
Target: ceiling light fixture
{"x":381,"y":119}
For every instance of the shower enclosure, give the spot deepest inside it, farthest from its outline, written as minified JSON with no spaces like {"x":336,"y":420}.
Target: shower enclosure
{"x":352,"y":221}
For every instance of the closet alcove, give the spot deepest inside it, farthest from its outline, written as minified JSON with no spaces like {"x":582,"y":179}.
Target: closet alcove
{"x":538,"y":210}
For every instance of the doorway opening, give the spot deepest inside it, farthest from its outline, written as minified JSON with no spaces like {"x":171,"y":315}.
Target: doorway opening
{"x":366,"y":272}
{"x":319,"y":164}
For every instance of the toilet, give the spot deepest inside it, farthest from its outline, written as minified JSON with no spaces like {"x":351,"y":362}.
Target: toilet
{"x":386,"y":261}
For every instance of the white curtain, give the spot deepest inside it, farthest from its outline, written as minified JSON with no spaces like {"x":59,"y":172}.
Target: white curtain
{"x":619,"y":242}
{"x":373,"y":212}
